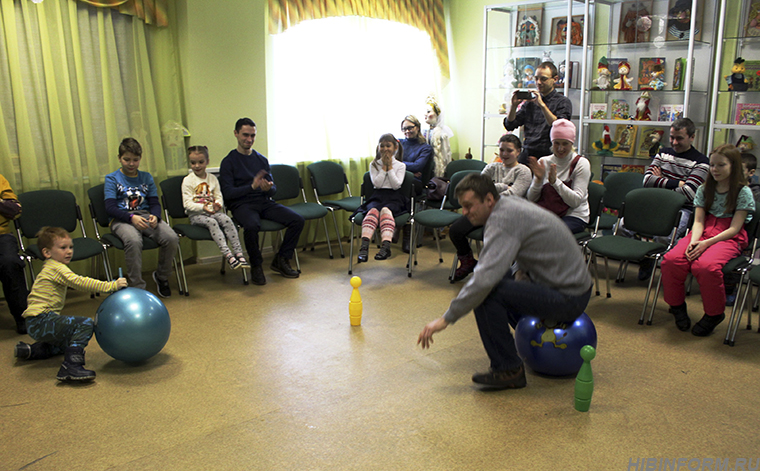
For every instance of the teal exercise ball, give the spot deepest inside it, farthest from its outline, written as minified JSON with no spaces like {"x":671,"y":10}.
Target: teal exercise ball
{"x":132,"y":325}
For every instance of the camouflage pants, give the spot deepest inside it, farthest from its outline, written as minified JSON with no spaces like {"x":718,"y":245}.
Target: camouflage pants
{"x":60,"y":331}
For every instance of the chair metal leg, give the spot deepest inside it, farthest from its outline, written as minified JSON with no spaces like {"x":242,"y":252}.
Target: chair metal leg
{"x":453,"y":267}
{"x":351,"y":250}
{"x":732,"y":329}
{"x":607,"y":274}
{"x":656,"y":291}
{"x":327,"y":236}
{"x":438,"y":244}
{"x":733,"y":321}
{"x":337,"y":232}
{"x":412,"y":252}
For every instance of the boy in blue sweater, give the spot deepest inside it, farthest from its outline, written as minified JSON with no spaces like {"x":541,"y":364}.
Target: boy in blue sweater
{"x":247,"y":188}
{"x":132,"y":203}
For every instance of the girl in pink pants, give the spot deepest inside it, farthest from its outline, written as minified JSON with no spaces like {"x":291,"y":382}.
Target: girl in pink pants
{"x":722,"y":205}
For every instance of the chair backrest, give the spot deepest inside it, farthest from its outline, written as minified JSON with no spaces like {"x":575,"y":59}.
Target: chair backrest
{"x":288,"y":181}
{"x":327,"y":178}
{"x":451,"y":194}
{"x":56,"y":208}
{"x":463,"y":164}
{"x":652,"y":211}
{"x":618,"y":184}
{"x":427,"y":171}
{"x":97,"y":197}
{"x":596,"y":193}
{"x":171,"y":196}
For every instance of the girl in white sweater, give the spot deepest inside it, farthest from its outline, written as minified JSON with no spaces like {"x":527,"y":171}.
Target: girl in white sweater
{"x":202,"y":199}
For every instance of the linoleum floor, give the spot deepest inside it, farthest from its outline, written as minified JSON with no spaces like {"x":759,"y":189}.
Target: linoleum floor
{"x":275,"y":378}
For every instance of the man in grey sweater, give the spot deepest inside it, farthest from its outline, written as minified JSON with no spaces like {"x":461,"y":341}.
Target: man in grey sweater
{"x":549,"y":278}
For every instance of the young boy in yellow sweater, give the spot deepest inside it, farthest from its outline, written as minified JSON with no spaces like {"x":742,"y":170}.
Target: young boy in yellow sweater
{"x":54,"y":333}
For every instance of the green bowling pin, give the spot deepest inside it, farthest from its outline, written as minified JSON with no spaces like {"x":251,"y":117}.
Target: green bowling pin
{"x":584,"y":382}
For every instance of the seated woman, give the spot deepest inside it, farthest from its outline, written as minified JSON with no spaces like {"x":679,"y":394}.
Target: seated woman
{"x":560,"y":180}
{"x":511,"y":179}
{"x":387,"y":173}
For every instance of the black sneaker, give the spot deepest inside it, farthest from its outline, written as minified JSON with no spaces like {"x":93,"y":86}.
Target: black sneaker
{"x":282,"y":266}
{"x":257,"y":276}
{"x":683,"y":322}
{"x":706,"y":325}
{"x":162,"y":286}
{"x":510,"y":379}
{"x":22,"y":351}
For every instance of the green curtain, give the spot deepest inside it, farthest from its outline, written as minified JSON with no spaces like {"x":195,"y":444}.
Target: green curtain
{"x":76,"y":80}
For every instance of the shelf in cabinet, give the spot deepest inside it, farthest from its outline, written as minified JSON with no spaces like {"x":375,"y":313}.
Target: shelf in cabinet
{"x":738,"y":127}
{"x":650,"y":45}
{"x":663,"y":124}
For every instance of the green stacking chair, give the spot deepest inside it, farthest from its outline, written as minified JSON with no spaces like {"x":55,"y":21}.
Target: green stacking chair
{"x":437,"y":219}
{"x":56,"y":208}
{"x":648,"y":212}
{"x":328,"y":178}
{"x":290,"y":186}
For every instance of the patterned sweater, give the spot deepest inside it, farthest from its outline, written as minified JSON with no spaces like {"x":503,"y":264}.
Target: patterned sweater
{"x":49,"y":289}
{"x":690,"y":167}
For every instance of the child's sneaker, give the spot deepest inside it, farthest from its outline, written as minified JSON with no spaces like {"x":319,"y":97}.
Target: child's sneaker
{"x":234,"y":262}
{"x":162,"y":286}
{"x":243,"y":262}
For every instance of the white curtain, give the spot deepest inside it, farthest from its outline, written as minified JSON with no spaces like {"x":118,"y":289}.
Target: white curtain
{"x":339,"y":83}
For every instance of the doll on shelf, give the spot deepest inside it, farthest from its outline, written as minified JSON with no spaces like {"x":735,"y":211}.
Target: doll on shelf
{"x":529,"y":77}
{"x":656,"y":81}
{"x":602,"y":81}
{"x":642,"y":107}
{"x":745,"y":144}
{"x":737,"y":81}
{"x":605,"y":146}
{"x":623,"y":82}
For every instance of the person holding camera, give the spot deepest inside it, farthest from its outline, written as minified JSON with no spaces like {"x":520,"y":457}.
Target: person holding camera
{"x":537,"y":114}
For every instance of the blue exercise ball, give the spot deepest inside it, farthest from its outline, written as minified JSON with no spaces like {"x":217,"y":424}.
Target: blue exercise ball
{"x":554,"y":350}
{"x":132,"y":325}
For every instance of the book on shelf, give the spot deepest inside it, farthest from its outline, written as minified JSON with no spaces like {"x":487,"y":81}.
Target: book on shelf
{"x":670,"y":112}
{"x":625,"y":136}
{"x":597,"y":110}
{"x":752,"y":22}
{"x":748,"y":113}
{"x":620,"y":109}
{"x":559,"y":30}
{"x":633,"y":168}
{"x":649,"y":137}
{"x":752,"y":75}
{"x":679,"y":70}
{"x":651,"y":73}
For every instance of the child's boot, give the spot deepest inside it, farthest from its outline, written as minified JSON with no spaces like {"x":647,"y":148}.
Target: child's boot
{"x":364,"y":250}
{"x":35,"y":351}
{"x":385,"y":251}
{"x":72,"y":368}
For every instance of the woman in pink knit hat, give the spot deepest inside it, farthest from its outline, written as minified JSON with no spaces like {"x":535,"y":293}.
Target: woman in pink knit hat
{"x":560,"y":180}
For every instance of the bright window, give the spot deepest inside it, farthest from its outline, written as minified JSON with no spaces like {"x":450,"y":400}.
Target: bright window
{"x":339,"y":83}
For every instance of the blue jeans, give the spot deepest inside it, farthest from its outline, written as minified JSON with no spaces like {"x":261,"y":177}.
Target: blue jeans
{"x":507,"y":303}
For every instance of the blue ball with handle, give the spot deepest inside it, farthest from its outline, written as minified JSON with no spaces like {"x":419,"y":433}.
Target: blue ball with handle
{"x":132,"y":325}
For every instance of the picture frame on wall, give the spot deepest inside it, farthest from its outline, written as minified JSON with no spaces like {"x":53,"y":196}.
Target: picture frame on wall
{"x":635,"y":21}
{"x":559,"y":30}
{"x":679,"y":21}
{"x":528,"y":32}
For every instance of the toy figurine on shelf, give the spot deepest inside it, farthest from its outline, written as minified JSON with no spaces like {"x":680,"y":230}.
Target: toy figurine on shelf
{"x":602,"y":81}
{"x":623,"y":82}
{"x":547,"y":57}
{"x":642,"y":107}
{"x":529,"y":77}
{"x":651,"y":141}
{"x":737,"y":82}
{"x":656,"y":81}
{"x":606,"y":145}
{"x":745,"y":144}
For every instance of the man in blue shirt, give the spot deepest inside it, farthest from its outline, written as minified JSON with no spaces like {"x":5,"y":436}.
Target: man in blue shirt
{"x":538,"y":114}
{"x":247,"y":187}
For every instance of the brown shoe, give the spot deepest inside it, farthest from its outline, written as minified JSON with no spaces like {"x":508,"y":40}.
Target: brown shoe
{"x":510,"y":379}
